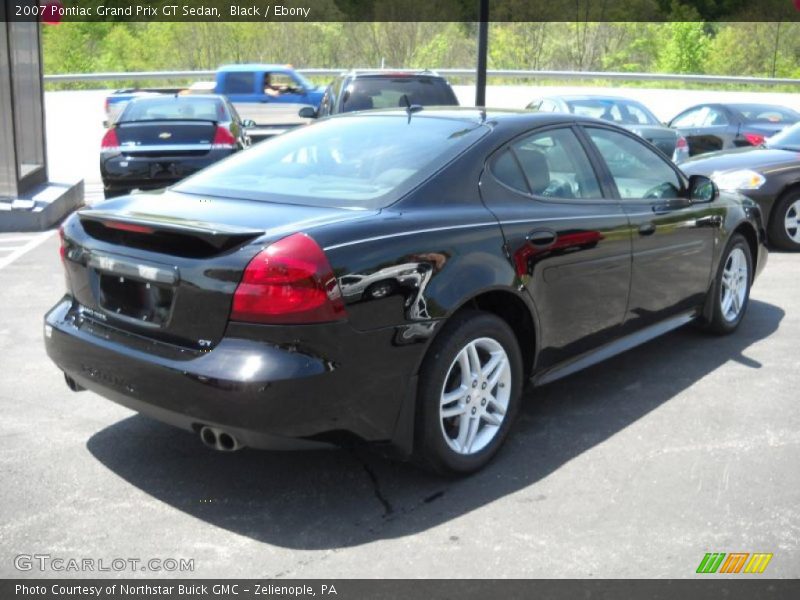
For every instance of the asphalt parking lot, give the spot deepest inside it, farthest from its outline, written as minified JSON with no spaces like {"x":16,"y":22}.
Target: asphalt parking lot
{"x":634,"y":468}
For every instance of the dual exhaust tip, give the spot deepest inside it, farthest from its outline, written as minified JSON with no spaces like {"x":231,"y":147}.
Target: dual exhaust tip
{"x":213,"y":437}
{"x":218,"y":439}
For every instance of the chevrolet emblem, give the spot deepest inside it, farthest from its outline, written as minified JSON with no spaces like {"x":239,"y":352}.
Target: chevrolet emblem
{"x":165,"y":135}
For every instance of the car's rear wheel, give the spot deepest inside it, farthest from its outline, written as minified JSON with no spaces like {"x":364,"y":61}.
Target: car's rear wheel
{"x":469,"y":394}
{"x":730,"y":293}
{"x":784,"y":228}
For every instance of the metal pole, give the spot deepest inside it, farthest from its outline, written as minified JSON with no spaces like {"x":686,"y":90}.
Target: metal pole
{"x":483,"y":37}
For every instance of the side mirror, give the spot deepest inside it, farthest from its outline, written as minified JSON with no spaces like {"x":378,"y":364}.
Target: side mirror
{"x":702,"y":189}
{"x":307,"y":112}
{"x":248,"y":123}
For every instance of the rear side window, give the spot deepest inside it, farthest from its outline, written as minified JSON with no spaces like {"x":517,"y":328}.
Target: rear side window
{"x":172,"y":107}
{"x":691,"y":118}
{"x":551,"y":164}
{"x":383,"y":92}
{"x":346,"y":162}
{"x":239,"y":83}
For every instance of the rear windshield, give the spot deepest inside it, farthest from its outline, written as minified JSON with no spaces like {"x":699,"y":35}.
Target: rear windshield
{"x":175,"y":108}
{"x":366,"y":161}
{"x":765,"y":113}
{"x":624,"y":112}
{"x":385,"y":92}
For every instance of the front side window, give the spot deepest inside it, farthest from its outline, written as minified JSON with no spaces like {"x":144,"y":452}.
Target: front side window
{"x":638,"y":171}
{"x":550,"y":164}
{"x":715,"y":118}
{"x":638,"y":115}
{"x":346,"y":162}
{"x":280,"y":83}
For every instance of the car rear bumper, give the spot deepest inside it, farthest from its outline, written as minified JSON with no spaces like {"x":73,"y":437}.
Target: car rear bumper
{"x":130,"y":171}
{"x":269,"y":396}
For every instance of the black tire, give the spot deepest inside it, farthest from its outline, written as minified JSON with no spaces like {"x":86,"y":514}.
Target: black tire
{"x":432,"y":449}
{"x":719,"y":322}
{"x":778,"y":235}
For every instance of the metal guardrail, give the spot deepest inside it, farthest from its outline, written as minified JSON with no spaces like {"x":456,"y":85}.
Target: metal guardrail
{"x":505,"y":73}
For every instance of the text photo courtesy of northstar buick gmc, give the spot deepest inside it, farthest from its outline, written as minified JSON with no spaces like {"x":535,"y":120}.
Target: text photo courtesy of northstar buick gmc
{"x":236,"y":304}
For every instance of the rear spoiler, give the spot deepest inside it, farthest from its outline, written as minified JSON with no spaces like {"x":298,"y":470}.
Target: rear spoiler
{"x":216,"y":234}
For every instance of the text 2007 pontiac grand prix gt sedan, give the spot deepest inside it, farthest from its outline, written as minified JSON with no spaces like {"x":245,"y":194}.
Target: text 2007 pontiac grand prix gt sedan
{"x":530,"y":246}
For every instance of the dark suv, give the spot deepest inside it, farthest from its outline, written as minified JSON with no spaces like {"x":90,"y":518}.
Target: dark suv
{"x":363,"y":90}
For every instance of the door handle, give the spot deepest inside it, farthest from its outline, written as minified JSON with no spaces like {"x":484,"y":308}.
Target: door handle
{"x":709,"y":221}
{"x":541,"y":237}
{"x":648,"y":228}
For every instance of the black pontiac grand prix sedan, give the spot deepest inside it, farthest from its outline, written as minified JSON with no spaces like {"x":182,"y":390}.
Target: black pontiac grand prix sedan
{"x":512,"y":246}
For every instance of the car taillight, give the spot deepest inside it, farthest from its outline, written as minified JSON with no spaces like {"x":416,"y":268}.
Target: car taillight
{"x":681,"y":143}
{"x":756,"y":139}
{"x":290,"y":281}
{"x":62,"y":249}
{"x":223,"y":138}
{"x":110,"y":140}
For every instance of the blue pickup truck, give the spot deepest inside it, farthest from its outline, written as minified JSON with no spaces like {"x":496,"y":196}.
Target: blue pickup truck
{"x":268,"y":97}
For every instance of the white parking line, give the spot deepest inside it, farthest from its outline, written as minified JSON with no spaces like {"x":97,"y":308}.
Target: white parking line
{"x":21,"y":250}
{"x":14,"y":240}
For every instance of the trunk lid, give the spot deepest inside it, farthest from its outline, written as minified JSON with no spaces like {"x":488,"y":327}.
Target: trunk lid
{"x":166,"y":266}
{"x":165,"y":138}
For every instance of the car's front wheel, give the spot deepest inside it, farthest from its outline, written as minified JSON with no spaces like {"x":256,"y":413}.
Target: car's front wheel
{"x":469,"y":393}
{"x":730,"y":293}
{"x":784,"y":229}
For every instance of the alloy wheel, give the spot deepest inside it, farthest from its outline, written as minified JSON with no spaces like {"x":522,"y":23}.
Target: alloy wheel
{"x":475,"y":396}
{"x":735,"y":280}
{"x":792,"y":221}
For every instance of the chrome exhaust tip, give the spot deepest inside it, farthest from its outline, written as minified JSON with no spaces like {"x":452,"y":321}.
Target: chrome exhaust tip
{"x":73,"y":385}
{"x":219,"y":439}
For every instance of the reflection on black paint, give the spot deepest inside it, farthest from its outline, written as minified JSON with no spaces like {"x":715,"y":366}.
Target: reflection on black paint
{"x":528,"y":255}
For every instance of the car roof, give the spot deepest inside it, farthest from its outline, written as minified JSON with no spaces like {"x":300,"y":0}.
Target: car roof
{"x":390,"y":73}
{"x":254,"y":67}
{"x":599,"y":97}
{"x":493,"y":117}
{"x":179,"y":97}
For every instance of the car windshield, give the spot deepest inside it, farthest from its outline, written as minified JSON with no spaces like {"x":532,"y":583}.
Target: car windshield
{"x":366,"y":161}
{"x":174,"y":108}
{"x":387,"y":92}
{"x":766,"y":113}
{"x":623,"y":112}
{"x":788,"y":139}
